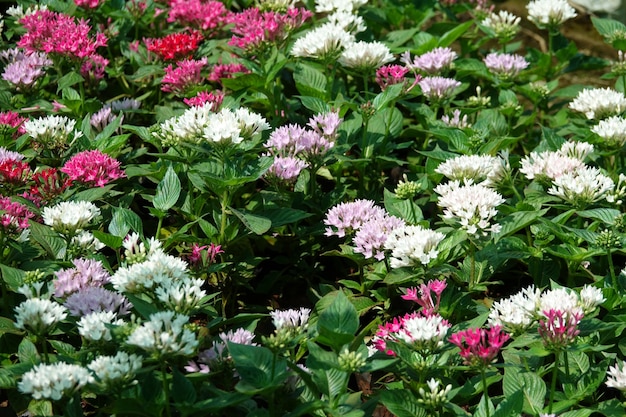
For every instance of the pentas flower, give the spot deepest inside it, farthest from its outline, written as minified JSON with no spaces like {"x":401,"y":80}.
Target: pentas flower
{"x":505,"y":66}
{"x":563,"y":299}
{"x":294,"y":319}
{"x":93,"y":168}
{"x":184,"y":295}
{"x":203,"y":256}
{"x":326,"y":124}
{"x":548,"y":166}
{"x":472,"y":205}
{"x":434,"y":62}
{"x":350,"y":217}
{"x":198,"y":14}
{"x":253,"y":29}
{"x":48,"y":185}
{"x":478,"y":168}
{"x":423,"y":296}
{"x":93,"y":68}
{"x":185,"y":76}
{"x":213,"y":99}
{"x":14,"y":217}
{"x":612,"y":131}
{"x":111,"y":372}
{"x":503,"y":25}
{"x":96,"y":299}
{"x":390,"y":74}
{"x":88,"y":4}
{"x":14,"y":173}
{"x":164,"y":335}
{"x":324,"y":43}
{"x":616,"y":376}
{"x":599,"y":103}
{"x":349,"y":21}
{"x":412,"y":245}
{"x":157,"y":269}
{"x":365,"y":56}
{"x":52,"y":32}
{"x":423,"y":334}
{"x":435,"y":397}
{"x":18,"y":12}
{"x":559,"y":328}
{"x":590,"y":298}
{"x":438,"y":88}
{"x":96,"y":327}
{"x":39,"y":315}
{"x":175,"y":46}
{"x":13,"y":120}
{"x":217,"y":354}
{"x":285,"y":169}
{"x":324,"y":6}
{"x":86,"y":273}
{"x":371,"y":238}
{"x":54,"y":381}
{"x":479,"y":347}
{"x":549,"y":13}
{"x":516,"y":313}
{"x":221,"y":71}
{"x":456,"y":120}
{"x":52,"y":132}
{"x":24,"y":71}
{"x":70,"y":217}
{"x":583,"y":186}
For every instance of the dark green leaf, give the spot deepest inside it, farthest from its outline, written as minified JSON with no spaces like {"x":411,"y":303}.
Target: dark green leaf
{"x":259,"y":369}
{"x":12,"y":277}
{"x":168,"y":191}
{"x":27,"y":352}
{"x":183,"y":390}
{"x":401,"y":403}
{"x":143,"y":307}
{"x":405,"y":209}
{"x":68,"y":80}
{"x":256,"y":224}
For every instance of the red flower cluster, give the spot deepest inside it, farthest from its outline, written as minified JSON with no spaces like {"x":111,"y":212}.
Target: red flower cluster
{"x":14,"y":172}
{"x":48,"y":185}
{"x":175,"y":46}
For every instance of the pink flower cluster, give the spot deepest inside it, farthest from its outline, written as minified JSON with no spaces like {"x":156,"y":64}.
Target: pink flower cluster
{"x":214,"y":98}
{"x":254,"y":28}
{"x":57,"y":33}
{"x":421,"y":333}
{"x":479,"y":347}
{"x":425,"y":299}
{"x":198,"y":14}
{"x":390,"y":74}
{"x":93,"y":168}
{"x":186,"y":75}
{"x":204,"y":255}
{"x":13,"y":120}
{"x":220,"y":71}
{"x":86,"y":273}
{"x":88,"y":4}
{"x":559,"y":328}
{"x":14,"y":216}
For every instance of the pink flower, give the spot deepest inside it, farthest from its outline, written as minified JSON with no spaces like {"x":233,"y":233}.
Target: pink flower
{"x":204,"y":255}
{"x":423,"y":334}
{"x":350,"y":217}
{"x":479,"y":347}
{"x":87,"y":4}
{"x":48,"y":185}
{"x":559,"y":328}
{"x":198,"y":14}
{"x":14,"y":216}
{"x":14,"y":120}
{"x":286,"y":169}
{"x":93,"y":67}
{"x":390,"y":74}
{"x":93,"y":168}
{"x":221,"y":71}
{"x":425,"y":298}
{"x":215,"y":98}
{"x":185,"y":76}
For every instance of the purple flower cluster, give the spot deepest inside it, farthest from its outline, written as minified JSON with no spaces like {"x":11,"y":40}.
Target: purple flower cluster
{"x":96,"y":299}
{"x":23,"y":70}
{"x":86,"y":273}
{"x":505,"y":66}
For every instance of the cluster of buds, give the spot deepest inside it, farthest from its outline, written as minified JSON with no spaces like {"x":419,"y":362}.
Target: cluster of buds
{"x":350,"y":361}
{"x":435,"y":397}
{"x":290,"y":324}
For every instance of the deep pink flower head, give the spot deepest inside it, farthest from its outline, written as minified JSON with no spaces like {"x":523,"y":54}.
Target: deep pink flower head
{"x":214,"y":98}
{"x":423,"y":296}
{"x":186,"y":75}
{"x":57,"y":33}
{"x":14,"y":172}
{"x":220,"y":71}
{"x":205,"y":255}
{"x":479,"y":347}
{"x":14,"y":217}
{"x":93,"y":168}
{"x":198,"y":14}
{"x":390,"y":74}
{"x":14,"y":120}
{"x":88,"y":4}
{"x":93,"y":67}
{"x":559,"y":328}
{"x":48,"y":185}
{"x":175,"y":46}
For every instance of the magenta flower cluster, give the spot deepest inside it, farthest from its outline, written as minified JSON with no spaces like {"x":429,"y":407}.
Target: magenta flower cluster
{"x":559,"y":328}
{"x":14,"y":217}
{"x":93,"y":168}
{"x":198,"y":14}
{"x":479,"y":347}
{"x":186,"y":75}
{"x":423,"y":295}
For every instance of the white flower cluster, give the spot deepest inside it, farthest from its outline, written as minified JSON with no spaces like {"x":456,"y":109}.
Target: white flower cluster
{"x":435,"y":396}
{"x":325,"y":6}
{"x":479,"y":168}
{"x":135,"y":250}
{"x":52,"y":132}
{"x":164,"y":334}
{"x":550,"y":165}
{"x":582,"y":186}
{"x":39,"y":315}
{"x":290,"y":318}
{"x":70,"y":217}
{"x":412,"y":245}
{"x":617,"y":376}
{"x":94,"y":327}
{"x":53,"y":381}
{"x":503,"y":24}
{"x":111,"y":371}
{"x":549,"y":13}
{"x":612,"y":131}
{"x":323,"y":43}
{"x":183,"y":296}
{"x":520,"y":311}
{"x":424,"y":333}
{"x":472,"y":205}
{"x":365,"y":56}
{"x":599,"y":103}
{"x":200,"y":124}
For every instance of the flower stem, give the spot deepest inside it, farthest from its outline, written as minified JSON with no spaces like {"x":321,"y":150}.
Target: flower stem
{"x":612,"y":271}
{"x":485,"y":393}
{"x":555,"y":371}
{"x":166,"y":389}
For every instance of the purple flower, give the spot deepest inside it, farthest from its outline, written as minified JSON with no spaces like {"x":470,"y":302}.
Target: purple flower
{"x":505,"y":65}
{"x":286,"y":168}
{"x":25,"y":70}
{"x":326,"y":124}
{"x":350,"y":217}
{"x":433,"y":62}
{"x":371,"y":237}
{"x":86,"y":273}
{"x":96,"y":299}
{"x":438,"y":88}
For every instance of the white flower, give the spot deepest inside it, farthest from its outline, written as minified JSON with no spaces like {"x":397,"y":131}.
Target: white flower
{"x":290,"y":318}
{"x":112,"y":371}
{"x":583,"y":186}
{"x":54,"y":381}
{"x":364,"y":56}
{"x":516,"y":313}
{"x":474,"y":167}
{"x":599,"y":103}
{"x":590,"y":298}
{"x":350,"y":22}
{"x":545,"y":13}
{"x":182,"y":295}
{"x":503,"y":24}
{"x":94,"y":326}
{"x":472,"y":205}
{"x":435,"y":397}
{"x":424,"y":333}
{"x":18,"y":11}
{"x":39,"y":315}
{"x":324,"y":42}
{"x":158,"y":269}
{"x":86,"y":242}
{"x":560,"y":299}
{"x":135,"y":250}
{"x":250,"y":123}
{"x":612,"y":130}
{"x":52,"y":132}
{"x":616,"y":376}
{"x":578,"y":150}
{"x":164,"y":334}
{"x":552,"y":164}
{"x":186,"y":128}
{"x":70,"y":217}
{"x":411,"y":245}
{"x":323,"y":6}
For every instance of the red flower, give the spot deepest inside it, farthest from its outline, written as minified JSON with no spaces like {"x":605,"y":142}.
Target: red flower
{"x":175,"y":46}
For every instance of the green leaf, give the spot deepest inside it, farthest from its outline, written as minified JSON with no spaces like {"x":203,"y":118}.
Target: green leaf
{"x":13,"y":277}
{"x":68,"y":80}
{"x":401,"y":403}
{"x":63,"y":348}
{"x":511,"y":406}
{"x":405,"y":209}
{"x":331,"y":381}
{"x":27,"y":352}
{"x":452,"y":35}
{"x":47,"y":238}
{"x":108,"y":130}
{"x":256,"y":224}
{"x":338,"y":322}
{"x":518,"y":220}
{"x":605,"y":215}
{"x":608,"y":27}
{"x":310,"y":81}
{"x":123,"y":221}
{"x":320,"y":359}
{"x":6,"y":379}
{"x":388,"y":95}
{"x":315,"y":104}
{"x":112,"y":241}
{"x":534,"y":389}
{"x":40,"y":408}
{"x":168,"y":191}
{"x":8,"y":326}
{"x":183,"y":390}
{"x":143,"y":307}
{"x":92,"y":194}
{"x":579,"y":413}
{"x":398,"y":276}
{"x":260,"y":370}
{"x":285,"y":215}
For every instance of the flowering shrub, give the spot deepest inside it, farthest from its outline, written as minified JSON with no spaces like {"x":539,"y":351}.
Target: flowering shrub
{"x":336,"y":207}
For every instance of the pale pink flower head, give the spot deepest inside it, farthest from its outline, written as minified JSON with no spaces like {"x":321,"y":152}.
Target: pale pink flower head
{"x":505,"y":66}
{"x":438,"y":88}
{"x":347,"y":218}
{"x":24,"y":71}
{"x":285,"y":169}
{"x":93,"y":168}
{"x":93,"y":67}
{"x":88,"y":4}
{"x":371,"y":237}
{"x":220,"y":71}
{"x":479,"y":347}
{"x":433,"y":62}
{"x":12,"y":120}
{"x":94,"y":299}
{"x":326,"y":124}
{"x":86,"y":273}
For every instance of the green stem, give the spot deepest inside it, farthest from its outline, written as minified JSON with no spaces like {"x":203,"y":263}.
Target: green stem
{"x":224,"y":205}
{"x":44,"y":350}
{"x":472,"y":267}
{"x":612,"y":270}
{"x":555,"y":371}
{"x":159,"y":225}
{"x":166,"y":389}
{"x":485,"y":393}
